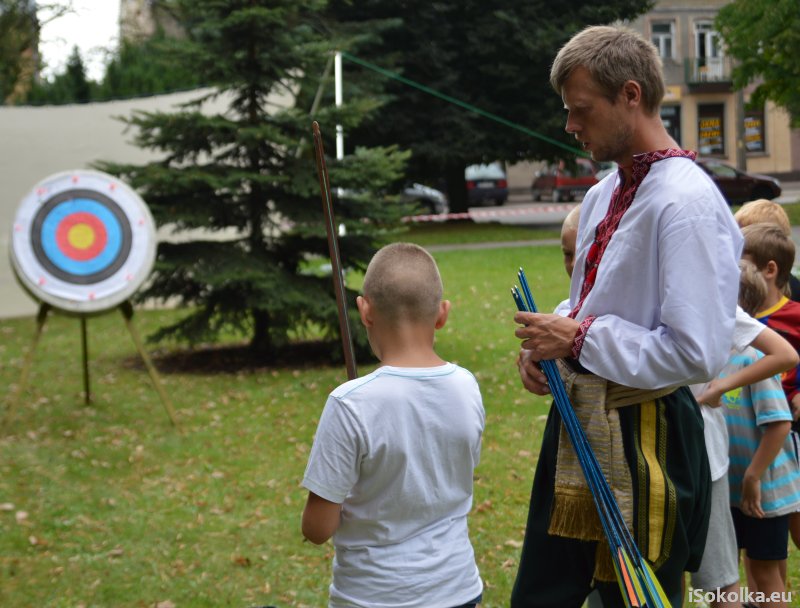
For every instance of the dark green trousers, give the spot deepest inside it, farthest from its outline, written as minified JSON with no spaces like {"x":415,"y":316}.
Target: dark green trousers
{"x":666,"y":453}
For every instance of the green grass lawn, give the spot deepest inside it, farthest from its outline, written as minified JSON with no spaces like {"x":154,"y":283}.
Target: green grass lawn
{"x":107,"y":505}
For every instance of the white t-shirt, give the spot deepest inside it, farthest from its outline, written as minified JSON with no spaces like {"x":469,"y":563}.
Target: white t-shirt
{"x":745,"y":331}
{"x":668,"y":282}
{"x":397,"y":448}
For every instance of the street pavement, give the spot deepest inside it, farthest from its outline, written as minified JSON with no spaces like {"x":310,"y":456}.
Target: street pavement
{"x":521,"y":210}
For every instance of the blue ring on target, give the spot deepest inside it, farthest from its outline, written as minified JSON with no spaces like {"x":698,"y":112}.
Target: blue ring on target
{"x":56,"y":254}
{"x":59,"y":260}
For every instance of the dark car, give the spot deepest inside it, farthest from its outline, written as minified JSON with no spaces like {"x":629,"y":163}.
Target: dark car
{"x":486,"y":184}
{"x":737,"y":186}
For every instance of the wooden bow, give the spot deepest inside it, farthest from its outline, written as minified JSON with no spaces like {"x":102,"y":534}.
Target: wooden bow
{"x":333,"y":249}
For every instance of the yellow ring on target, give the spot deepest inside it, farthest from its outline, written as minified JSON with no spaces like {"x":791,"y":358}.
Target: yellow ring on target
{"x":81,"y":236}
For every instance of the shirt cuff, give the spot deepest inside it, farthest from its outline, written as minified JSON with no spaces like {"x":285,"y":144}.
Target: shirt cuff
{"x":580,"y":336}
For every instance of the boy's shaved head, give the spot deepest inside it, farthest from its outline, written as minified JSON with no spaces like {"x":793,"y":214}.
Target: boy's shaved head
{"x":403,"y":284}
{"x":572,"y":220}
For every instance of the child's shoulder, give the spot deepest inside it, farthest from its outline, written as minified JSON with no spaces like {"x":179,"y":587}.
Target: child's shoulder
{"x":389,"y":377}
{"x":784,"y":317}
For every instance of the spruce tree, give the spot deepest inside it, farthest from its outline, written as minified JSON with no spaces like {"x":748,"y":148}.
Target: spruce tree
{"x":238,"y":190}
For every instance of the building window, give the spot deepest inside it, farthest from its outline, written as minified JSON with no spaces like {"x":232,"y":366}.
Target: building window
{"x":711,"y":129}
{"x":663,"y":34}
{"x":708,"y":48}
{"x":754,"y":131}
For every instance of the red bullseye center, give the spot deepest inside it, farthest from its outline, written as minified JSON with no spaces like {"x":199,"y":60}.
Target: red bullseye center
{"x":81,"y":236}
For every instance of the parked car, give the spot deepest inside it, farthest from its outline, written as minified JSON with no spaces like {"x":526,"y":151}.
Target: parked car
{"x":429,"y":200}
{"x":737,"y":186}
{"x":486,"y":184}
{"x":563,"y":181}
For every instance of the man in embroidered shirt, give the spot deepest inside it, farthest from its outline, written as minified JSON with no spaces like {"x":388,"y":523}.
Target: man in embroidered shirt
{"x":652,"y":299}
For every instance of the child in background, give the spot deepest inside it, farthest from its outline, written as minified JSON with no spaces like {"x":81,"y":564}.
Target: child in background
{"x":719,"y":569}
{"x":391,"y":469}
{"x":569,"y":238}
{"x":762,"y":211}
{"x":769,"y":247}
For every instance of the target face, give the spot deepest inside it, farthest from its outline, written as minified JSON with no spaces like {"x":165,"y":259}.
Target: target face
{"x":82,"y":241}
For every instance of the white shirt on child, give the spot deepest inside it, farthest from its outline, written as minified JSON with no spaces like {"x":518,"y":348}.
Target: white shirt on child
{"x":715,"y":428}
{"x":397,"y":448}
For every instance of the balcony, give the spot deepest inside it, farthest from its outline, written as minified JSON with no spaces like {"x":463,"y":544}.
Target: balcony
{"x":708,"y":74}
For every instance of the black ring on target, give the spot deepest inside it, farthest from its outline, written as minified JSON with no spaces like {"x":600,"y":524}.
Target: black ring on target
{"x":96,"y":222}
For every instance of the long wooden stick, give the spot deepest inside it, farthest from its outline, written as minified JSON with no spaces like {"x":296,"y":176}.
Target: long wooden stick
{"x":333,"y":249}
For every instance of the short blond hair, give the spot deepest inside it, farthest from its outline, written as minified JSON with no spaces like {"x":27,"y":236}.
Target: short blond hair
{"x":572,"y":220}
{"x":767,"y":242}
{"x":762,"y":211}
{"x":403,"y":284}
{"x":752,"y":288}
{"x":613,"y":55}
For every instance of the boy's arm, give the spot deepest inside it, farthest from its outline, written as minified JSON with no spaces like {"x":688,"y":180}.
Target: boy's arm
{"x":768,"y":449}
{"x":779,"y":356}
{"x":320,"y":518}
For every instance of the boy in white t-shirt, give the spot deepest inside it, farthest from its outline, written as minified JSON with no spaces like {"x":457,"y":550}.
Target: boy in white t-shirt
{"x":719,"y":569}
{"x":391,"y":470}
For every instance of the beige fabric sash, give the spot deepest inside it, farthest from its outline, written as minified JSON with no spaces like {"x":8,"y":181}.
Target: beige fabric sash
{"x":574,"y":514}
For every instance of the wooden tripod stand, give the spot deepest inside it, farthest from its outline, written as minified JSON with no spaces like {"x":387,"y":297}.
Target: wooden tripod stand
{"x":127,"y":313}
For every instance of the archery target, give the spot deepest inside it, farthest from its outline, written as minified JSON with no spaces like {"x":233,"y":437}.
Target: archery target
{"x":82,"y":241}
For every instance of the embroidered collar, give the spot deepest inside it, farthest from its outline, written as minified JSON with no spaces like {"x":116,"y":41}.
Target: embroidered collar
{"x":642,"y":162}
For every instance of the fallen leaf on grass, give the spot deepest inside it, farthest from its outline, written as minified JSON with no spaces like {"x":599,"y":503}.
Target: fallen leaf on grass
{"x":486,"y":505}
{"x":164,"y":604}
{"x":513,"y":543}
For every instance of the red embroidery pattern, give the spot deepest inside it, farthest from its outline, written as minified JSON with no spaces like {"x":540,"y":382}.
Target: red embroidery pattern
{"x":580,"y":336}
{"x":621,"y":200}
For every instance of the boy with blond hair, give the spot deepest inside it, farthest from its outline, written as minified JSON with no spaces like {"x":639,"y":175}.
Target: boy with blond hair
{"x":762,"y":211}
{"x":390,"y":473}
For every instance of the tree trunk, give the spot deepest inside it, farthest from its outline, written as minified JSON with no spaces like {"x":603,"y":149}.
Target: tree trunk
{"x":261,"y":342}
{"x":456,"y":188}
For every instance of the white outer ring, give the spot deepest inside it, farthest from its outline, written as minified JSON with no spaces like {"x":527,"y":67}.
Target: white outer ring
{"x":71,"y":297}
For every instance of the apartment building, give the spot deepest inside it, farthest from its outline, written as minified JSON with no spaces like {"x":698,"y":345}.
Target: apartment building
{"x":701,"y":110}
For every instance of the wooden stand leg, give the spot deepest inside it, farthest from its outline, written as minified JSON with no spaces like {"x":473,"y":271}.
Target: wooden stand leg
{"x":127,"y":313}
{"x":87,"y":395}
{"x":41,"y":318}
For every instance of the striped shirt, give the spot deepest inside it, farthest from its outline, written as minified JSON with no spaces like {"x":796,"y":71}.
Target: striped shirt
{"x":747,"y":411}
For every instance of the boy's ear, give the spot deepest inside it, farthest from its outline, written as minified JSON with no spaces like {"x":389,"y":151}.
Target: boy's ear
{"x":770,"y":270}
{"x":444,"y":310}
{"x":364,"y":310}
